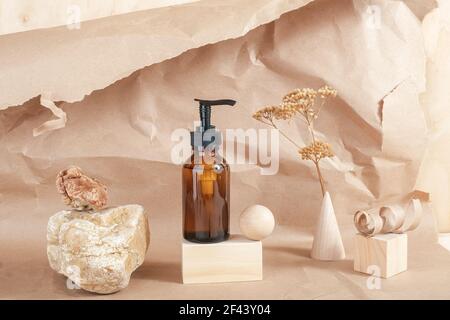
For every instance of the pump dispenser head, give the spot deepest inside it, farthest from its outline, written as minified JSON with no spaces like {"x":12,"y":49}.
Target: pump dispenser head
{"x":206,"y":133}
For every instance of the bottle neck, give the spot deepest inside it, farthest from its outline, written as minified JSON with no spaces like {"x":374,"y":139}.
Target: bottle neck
{"x":205,"y":156}
{"x":204,"y":151}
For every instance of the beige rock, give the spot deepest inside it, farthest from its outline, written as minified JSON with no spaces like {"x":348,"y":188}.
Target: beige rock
{"x":98,"y":251}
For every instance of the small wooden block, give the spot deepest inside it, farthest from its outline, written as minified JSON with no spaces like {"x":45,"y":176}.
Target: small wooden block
{"x":385,"y":254}
{"x":237,"y":259}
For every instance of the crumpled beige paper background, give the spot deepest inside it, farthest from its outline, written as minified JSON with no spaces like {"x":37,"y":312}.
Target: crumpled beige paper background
{"x":121,"y":131}
{"x":435,"y":172}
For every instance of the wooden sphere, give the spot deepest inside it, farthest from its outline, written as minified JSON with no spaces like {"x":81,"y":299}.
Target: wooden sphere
{"x":256,"y":222}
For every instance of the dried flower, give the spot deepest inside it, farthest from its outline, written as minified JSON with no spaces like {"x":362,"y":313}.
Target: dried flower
{"x":316,"y":151}
{"x":326,"y":92}
{"x":273,"y":113}
{"x":302,"y":102}
{"x":300,"y":96}
{"x":266,"y":113}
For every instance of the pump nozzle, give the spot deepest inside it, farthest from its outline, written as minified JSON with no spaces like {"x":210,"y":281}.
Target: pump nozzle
{"x":205,"y":118}
{"x":205,"y":109}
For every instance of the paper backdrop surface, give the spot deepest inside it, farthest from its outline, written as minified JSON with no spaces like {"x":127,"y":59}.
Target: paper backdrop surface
{"x":141,"y":72}
{"x":323,"y":43}
{"x":25,"y":15}
{"x":435,"y":171}
{"x":70,"y":63}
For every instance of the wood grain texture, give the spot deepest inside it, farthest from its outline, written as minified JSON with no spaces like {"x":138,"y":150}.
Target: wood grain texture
{"x":384,"y":255}
{"x":327,"y":244}
{"x":237,"y":259}
{"x":256,"y":222}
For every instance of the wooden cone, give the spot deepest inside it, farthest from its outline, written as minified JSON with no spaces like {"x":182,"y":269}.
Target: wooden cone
{"x":327,"y":244}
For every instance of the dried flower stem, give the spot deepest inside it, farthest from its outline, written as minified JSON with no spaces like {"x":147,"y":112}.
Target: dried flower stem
{"x":322,"y":182}
{"x":316,"y":161}
{"x":285,"y":135}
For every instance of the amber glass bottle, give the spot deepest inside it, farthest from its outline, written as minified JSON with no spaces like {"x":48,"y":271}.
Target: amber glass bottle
{"x":206,"y":200}
{"x":206,"y":183}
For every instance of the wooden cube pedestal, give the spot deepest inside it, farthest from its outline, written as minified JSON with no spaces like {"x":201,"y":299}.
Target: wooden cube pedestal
{"x":237,"y":259}
{"x":388,"y":252}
